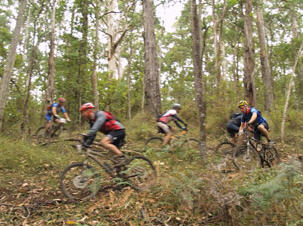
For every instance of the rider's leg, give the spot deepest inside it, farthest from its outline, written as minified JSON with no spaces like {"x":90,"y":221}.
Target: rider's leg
{"x":167,"y":138}
{"x":111,"y":141}
{"x":264,"y":131}
{"x":48,"y":124}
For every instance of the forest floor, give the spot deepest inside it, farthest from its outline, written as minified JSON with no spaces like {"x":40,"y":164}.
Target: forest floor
{"x":186,"y":193}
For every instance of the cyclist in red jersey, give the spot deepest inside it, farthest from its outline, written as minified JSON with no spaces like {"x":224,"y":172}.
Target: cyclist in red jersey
{"x":104,"y":122}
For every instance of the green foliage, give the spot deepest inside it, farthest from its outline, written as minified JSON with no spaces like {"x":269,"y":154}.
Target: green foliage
{"x":276,"y":190}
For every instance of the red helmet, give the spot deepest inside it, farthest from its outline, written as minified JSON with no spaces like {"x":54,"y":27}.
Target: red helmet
{"x":86,"y":106}
{"x":61,"y":99}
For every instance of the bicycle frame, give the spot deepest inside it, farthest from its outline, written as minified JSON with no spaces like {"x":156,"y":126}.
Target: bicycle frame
{"x":92,"y":154}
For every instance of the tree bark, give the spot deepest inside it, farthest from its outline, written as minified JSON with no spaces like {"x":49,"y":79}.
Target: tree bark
{"x":265,"y":67}
{"x":51,"y":61}
{"x":94,"y":78}
{"x":151,"y":68}
{"x":249,"y":55}
{"x":4,"y":87}
{"x":197,"y":62}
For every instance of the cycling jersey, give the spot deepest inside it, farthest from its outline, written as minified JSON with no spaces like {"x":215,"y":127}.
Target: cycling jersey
{"x":247,"y":116}
{"x":168,"y":116}
{"x":104,"y":123}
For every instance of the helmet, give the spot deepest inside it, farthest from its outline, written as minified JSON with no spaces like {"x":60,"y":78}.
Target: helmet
{"x":175,"y":105}
{"x":86,"y":106}
{"x":242,"y":103}
{"x":61,"y":99}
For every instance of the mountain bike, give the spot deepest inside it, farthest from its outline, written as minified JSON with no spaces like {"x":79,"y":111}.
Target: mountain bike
{"x":100,"y":171}
{"x":42,"y":137}
{"x":179,"y":141}
{"x":254,"y":153}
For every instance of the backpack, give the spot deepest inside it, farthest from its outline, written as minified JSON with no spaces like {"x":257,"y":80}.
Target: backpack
{"x":159,"y":116}
{"x":110,"y":116}
{"x":49,"y":107}
{"x":234,"y":115}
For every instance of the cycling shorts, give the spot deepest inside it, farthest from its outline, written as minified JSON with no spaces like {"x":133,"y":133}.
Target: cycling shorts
{"x":117,"y":137}
{"x":166,"y":128}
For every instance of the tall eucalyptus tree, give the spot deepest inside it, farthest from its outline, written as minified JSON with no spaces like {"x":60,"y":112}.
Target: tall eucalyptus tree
{"x":197,"y":61}
{"x":265,"y":67}
{"x":151,"y":67}
{"x":4,"y":86}
{"x":249,"y":53}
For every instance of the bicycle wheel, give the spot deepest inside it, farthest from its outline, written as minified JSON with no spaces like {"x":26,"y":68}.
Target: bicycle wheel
{"x":80,"y":181}
{"x":192,"y":152}
{"x":140,"y":173}
{"x":223,"y":157}
{"x":246,"y":158}
{"x":41,"y":137}
{"x":270,"y":157}
{"x":225,"y":148}
{"x":154,"y":143}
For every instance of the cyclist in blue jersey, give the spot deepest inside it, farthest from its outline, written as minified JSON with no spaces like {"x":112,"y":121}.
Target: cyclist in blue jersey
{"x":52,"y":113}
{"x":254,"y":120}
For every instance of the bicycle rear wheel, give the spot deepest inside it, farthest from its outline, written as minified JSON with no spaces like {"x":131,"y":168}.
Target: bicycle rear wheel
{"x":140,"y":173}
{"x":246,"y":159}
{"x":270,"y":157}
{"x":223,"y":157}
{"x":192,"y":152}
{"x":154,"y":144}
{"x":80,"y":181}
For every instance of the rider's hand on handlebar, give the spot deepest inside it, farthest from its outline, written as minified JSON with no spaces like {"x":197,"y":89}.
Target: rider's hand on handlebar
{"x":56,"y":116}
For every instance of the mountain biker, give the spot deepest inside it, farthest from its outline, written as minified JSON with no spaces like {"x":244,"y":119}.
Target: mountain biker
{"x":104,"y":122}
{"x":52,"y":112}
{"x":254,"y":120}
{"x":233,"y":125}
{"x":164,"y":119}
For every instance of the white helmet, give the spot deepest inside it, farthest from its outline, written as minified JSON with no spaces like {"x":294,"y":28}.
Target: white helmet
{"x":176,"y":105}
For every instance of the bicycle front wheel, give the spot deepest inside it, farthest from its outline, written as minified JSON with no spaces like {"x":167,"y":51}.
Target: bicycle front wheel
{"x":140,"y":173}
{"x":80,"y":181}
{"x":246,"y":159}
{"x":223,"y":157}
{"x":154,"y":144}
{"x":192,"y":152}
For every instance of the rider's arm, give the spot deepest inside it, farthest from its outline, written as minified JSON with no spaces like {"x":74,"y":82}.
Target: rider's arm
{"x":253,"y":118}
{"x":100,"y":120}
{"x":54,"y":111}
{"x":180,"y":120}
{"x":66,"y":116}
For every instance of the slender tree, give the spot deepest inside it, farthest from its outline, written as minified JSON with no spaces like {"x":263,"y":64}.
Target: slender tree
{"x":51,"y":61}
{"x":4,"y":86}
{"x":197,"y":61}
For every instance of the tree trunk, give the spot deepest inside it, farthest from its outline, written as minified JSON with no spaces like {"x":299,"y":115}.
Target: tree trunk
{"x":249,"y":55}
{"x":197,"y":62}
{"x":289,"y":92}
{"x":151,"y":68}
{"x":4,"y":87}
{"x":96,"y":49}
{"x":265,"y":67}
{"x":218,"y":23}
{"x":51,"y":61}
